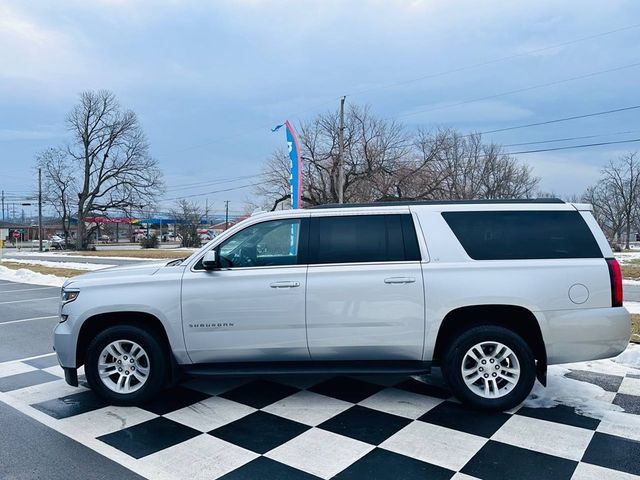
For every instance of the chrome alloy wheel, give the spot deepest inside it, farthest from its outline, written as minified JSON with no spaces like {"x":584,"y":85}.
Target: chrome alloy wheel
{"x":490,"y":369}
{"x":123,"y":366}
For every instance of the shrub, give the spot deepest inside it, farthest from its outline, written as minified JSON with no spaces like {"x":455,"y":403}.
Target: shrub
{"x":151,"y":242}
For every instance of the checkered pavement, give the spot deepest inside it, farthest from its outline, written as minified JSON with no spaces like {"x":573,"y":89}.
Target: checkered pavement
{"x":337,"y":427}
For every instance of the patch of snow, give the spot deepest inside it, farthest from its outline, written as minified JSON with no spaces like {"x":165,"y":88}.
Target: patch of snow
{"x":70,"y":265}
{"x":630,"y":282}
{"x":23,"y":275}
{"x":630,"y":357}
{"x":627,"y":257}
{"x":632,"y":307}
{"x":588,"y":399}
{"x":82,"y":257}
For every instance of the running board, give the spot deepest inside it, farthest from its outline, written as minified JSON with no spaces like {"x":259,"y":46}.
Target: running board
{"x":402,"y":367}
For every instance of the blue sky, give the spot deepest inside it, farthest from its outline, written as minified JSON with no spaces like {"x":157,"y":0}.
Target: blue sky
{"x":209,"y":79}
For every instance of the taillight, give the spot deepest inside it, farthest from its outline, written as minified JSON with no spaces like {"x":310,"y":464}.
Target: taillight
{"x":615,"y":275}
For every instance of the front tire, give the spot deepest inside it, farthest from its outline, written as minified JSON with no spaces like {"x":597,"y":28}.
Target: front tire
{"x":490,"y":368}
{"x":126,"y":365}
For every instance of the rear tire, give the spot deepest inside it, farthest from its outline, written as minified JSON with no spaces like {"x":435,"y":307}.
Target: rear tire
{"x":126,"y":365}
{"x":490,"y":368}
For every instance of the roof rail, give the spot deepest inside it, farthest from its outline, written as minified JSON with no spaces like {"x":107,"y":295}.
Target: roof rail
{"x":396,"y":203}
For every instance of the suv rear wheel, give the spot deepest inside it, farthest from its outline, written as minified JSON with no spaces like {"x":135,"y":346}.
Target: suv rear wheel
{"x":490,"y":367}
{"x":125,"y":365}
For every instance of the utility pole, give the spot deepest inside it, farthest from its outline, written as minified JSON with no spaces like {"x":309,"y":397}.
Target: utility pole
{"x":226,"y":214}
{"x":341,"y":153}
{"x":3,"y":205}
{"x":206,"y":210}
{"x":40,"y":209}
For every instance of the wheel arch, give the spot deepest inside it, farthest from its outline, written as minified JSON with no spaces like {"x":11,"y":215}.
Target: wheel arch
{"x":99,"y":322}
{"x":516,"y":318}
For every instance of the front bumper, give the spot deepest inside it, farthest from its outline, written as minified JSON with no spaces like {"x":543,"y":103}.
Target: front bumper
{"x":64,"y":343}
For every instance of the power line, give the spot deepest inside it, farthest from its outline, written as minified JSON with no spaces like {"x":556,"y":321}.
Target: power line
{"x":586,"y":145}
{"x":520,"y":90}
{"x":213,"y":192}
{"x":569,"y":138}
{"x":557,"y":120}
{"x":495,"y":60}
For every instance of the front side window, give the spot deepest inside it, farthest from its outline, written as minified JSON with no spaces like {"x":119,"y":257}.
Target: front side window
{"x":266,"y":244}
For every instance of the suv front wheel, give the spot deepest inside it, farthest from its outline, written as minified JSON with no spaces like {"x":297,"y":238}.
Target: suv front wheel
{"x":125,"y":365}
{"x":490,"y":367}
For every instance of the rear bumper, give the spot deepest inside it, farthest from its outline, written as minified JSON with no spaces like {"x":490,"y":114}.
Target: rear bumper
{"x":585,"y":334}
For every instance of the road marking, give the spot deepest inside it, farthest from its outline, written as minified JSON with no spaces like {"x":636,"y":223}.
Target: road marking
{"x":29,"y":300}
{"x":28,"y":319}
{"x":26,"y":289}
{"x":27,"y":358}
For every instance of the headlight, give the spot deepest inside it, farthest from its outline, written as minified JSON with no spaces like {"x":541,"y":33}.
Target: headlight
{"x":69,"y":295}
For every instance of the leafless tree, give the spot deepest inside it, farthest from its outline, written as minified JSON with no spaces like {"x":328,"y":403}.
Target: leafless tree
{"x":187,"y":216}
{"x":616,"y":197}
{"x":382,"y":160}
{"x":115,"y":169}
{"x":59,"y":186}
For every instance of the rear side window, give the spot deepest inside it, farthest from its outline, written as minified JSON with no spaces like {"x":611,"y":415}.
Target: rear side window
{"x":519,"y":235}
{"x":362,"y":238}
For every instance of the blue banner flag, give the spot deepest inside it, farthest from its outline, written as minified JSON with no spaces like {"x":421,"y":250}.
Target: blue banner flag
{"x":277,"y":127}
{"x":296,"y":170}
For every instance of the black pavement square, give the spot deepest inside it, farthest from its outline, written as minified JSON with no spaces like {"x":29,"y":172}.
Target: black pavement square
{"x":43,"y":362}
{"x":499,"y":461}
{"x":630,"y":403}
{"x":613,"y":452}
{"x":560,"y":414}
{"x":365,"y":424}
{"x":174,"y":399}
{"x":460,"y":417}
{"x":259,"y":393}
{"x":259,"y":431}
{"x":347,"y":389}
{"x":381,"y":464}
{"x":633,"y":375}
{"x":610,"y":383}
{"x":22,"y":380}
{"x":266,"y":469}
{"x":422,"y":388}
{"x":149,"y":437}
{"x":71,"y":405}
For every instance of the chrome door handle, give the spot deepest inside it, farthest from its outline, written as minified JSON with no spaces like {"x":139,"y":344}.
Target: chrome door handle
{"x":399,"y":280}
{"x":285,"y":284}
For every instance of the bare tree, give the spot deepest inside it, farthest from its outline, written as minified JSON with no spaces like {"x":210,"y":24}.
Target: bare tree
{"x":383,"y":161}
{"x":616,"y":196}
{"x":187,"y":216}
{"x":115,"y":169}
{"x":59,"y":187}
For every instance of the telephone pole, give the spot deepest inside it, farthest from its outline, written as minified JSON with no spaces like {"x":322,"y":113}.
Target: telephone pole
{"x":40,"y":209}
{"x":341,"y":153}
{"x":3,"y":205}
{"x":226,"y":214}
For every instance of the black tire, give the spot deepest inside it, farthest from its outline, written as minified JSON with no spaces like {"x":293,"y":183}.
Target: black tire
{"x":158,"y":367}
{"x":452,"y":367}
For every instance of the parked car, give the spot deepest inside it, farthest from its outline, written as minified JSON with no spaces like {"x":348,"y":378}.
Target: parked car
{"x":57,"y":242}
{"x":492,"y":292}
{"x":46,"y":245}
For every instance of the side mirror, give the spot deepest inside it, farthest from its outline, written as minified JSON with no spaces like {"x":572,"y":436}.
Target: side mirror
{"x":210,"y":260}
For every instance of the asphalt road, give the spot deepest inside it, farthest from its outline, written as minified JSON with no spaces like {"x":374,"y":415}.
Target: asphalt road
{"x":28,"y":315}
{"x":632,"y":293}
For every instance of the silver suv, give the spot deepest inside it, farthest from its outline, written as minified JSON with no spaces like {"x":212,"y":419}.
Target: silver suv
{"x":492,"y":292}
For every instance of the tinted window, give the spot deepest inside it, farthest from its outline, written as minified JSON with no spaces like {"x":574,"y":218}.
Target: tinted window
{"x":361,"y":238}
{"x":265,"y":244}
{"x":523,"y":235}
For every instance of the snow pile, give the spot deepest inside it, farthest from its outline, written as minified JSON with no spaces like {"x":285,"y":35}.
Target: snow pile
{"x":70,"y":265}
{"x":627,"y":257}
{"x":27,"y":276}
{"x":632,"y":307}
{"x":630,"y":357}
{"x":587,"y":398}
